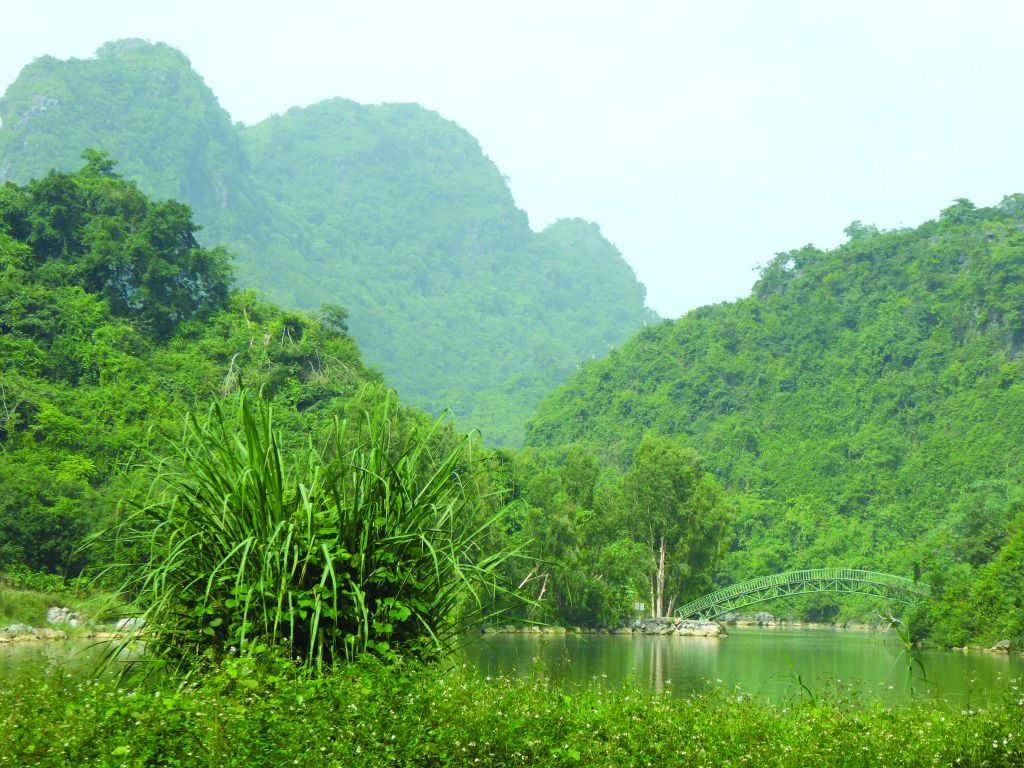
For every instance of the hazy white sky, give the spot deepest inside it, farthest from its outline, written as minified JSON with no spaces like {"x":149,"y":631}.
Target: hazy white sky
{"x":702,"y":136}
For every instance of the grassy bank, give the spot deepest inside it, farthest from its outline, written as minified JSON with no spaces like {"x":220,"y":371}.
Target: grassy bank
{"x":20,"y":605}
{"x":25,"y":598}
{"x":372,"y":716}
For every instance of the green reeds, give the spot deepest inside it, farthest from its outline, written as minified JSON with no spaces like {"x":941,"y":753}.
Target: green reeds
{"x":367,"y":545}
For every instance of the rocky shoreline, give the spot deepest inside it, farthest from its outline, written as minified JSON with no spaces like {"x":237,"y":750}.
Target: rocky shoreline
{"x":674,"y":627}
{"x":770,"y":621}
{"x":22,"y":633}
{"x":65,"y":624}
{"x":717,"y":629}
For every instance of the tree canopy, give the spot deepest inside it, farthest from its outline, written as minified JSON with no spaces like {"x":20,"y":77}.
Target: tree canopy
{"x":113,"y":322}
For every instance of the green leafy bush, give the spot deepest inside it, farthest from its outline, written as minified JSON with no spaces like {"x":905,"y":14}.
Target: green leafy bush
{"x":370,"y":544}
{"x":36,"y":581}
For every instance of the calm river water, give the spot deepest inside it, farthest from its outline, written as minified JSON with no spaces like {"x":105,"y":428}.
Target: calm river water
{"x":769,"y":663}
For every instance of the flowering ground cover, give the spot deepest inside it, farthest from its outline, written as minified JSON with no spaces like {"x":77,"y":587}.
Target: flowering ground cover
{"x":371,"y":715}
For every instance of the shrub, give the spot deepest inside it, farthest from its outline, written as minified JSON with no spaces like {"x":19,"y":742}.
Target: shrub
{"x":368,"y":545}
{"x":36,"y":581}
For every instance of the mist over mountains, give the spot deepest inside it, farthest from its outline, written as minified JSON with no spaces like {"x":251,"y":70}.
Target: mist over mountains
{"x":391,"y":211}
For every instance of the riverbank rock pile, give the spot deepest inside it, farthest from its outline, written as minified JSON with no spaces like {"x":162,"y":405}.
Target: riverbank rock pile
{"x":678,"y":628}
{"x":59,"y":620}
{"x":22,"y":633}
{"x":64,"y":619}
{"x":760,"y":619}
{"x":529,"y":629}
{"x":58,"y":615}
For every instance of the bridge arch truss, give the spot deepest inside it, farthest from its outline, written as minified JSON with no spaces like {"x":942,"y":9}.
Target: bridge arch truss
{"x":842,"y":580}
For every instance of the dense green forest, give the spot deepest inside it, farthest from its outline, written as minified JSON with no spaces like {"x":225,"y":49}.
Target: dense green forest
{"x":858,"y":409}
{"x":113,"y":323}
{"x":390,"y":210}
{"x":865,"y":400}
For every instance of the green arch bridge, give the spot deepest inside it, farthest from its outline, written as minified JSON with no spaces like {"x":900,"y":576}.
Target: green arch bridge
{"x":847,"y":580}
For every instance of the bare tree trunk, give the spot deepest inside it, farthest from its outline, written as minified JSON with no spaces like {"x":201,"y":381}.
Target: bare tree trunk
{"x":660,"y":581}
{"x":543,"y":588}
{"x":651,"y":609}
{"x":10,"y":409}
{"x":671,"y":605}
{"x":528,"y":577}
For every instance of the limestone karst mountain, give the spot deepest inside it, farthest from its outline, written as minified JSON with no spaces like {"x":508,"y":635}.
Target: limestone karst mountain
{"x":391,"y":211}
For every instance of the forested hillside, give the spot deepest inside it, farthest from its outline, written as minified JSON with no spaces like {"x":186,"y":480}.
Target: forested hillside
{"x":114,"y":323}
{"x":390,"y":210}
{"x":868,"y":402}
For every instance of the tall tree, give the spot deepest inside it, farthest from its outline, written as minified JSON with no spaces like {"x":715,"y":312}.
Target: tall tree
{"x":679,"y":511}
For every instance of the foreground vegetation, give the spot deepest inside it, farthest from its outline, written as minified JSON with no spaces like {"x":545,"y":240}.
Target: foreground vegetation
{"x":367,"y":715}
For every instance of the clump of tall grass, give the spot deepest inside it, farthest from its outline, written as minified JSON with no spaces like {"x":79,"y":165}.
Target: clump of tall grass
{"x":369,"y":544}
{"x":18,"y":606}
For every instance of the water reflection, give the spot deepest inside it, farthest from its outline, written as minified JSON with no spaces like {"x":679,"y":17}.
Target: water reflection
{"x":48,"y":658}
{"x":77,"y":658}
{"x":776,"y":665}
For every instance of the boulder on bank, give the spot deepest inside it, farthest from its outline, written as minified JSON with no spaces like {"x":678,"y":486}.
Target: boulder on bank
{"x":678,"y":627}
{"x":58,"y":615}
{"x":700,"y":629}
{"x":1003,"y":646}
